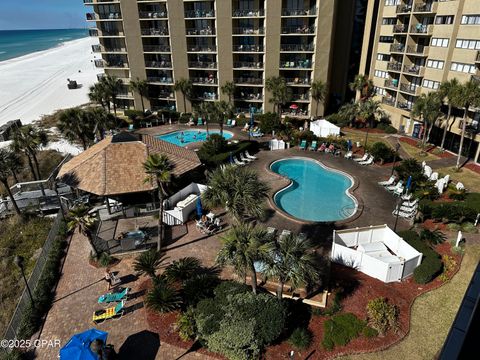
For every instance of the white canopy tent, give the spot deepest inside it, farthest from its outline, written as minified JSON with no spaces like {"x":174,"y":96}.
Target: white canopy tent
{"x":324,"y":128}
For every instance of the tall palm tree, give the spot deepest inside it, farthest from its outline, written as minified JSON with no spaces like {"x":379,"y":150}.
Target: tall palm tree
{"x":468,"y":95}
{"x":185,"y":87}
{"x":449,"y":92}
{"x":78,"y":217}
{"x":229,"y":89}
{"x":6,"y":169}
{"x":427,"y":108}
{"x":141,"y":88}
{"x":319,"y":93}
{"x":159,"y":169}
{"x":101,"y":119}
{"x":76,"y":125}
{"x":369,"y":112}
{"x":349,"y":111}
{"x":217,"y":113}
{"x":148,"y":262}
{"x":292,"y":260}
{"x":29,"y":139}
{"x":204,"y":109}
{"x":112,"y":86}
{"x":97,"y":93}
{"x":239,"y":190}
{"x":363,"y":86}
{"x":242,"y":245}
{"x":280,"y":93}
{"x":15,"y":163}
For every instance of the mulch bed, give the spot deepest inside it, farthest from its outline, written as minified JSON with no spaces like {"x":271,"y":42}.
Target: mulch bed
{"x":363,"y":289}
{"x":370,"y":130}
{"x":409,"y":141}
{"x":431,"y":150}
{"x":473,"y":167}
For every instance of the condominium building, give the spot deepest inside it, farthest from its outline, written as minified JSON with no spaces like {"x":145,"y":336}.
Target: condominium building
{"x":411,"y":47}
{"x":212,"y":42}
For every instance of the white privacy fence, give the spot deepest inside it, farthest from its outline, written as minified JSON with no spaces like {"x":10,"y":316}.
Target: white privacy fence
{"x":179,"y":206}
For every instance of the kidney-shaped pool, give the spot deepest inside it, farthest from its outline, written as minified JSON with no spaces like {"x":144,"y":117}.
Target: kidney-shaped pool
{"x":316,"y":193}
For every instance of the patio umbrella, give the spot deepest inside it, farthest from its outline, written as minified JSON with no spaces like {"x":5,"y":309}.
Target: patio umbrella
{"x":199,"y":208}
{"x":231,"y":158}
{"x":78,"y":347}
{"x":349,"y":145}
{"x":294,"y":106}
{"x":409,"y":183}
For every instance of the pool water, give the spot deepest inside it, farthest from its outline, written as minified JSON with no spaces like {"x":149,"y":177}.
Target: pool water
{"x":185,"y":137}
{"x":316,"y":193}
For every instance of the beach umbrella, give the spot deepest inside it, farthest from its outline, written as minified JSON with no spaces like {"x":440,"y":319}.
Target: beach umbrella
{"x":409,"y":183}
{"x":78,"y":347}
{"x":349,"y":144}
{"x":231,"y":158}
{"x":294,"y":106}
{"x":199,"y":208}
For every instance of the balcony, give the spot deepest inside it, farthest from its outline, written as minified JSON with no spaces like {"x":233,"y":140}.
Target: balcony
{"x":417,"y":50}
{"x":394,"y":66}
{"x":404,"y":105}
{"x":155,"y":32}
{"x":167,"y":95}
{"x":258,"y":97}
{"x":477,"y":58}
{"x":400,"y":29}
{"x":248,"y":81}
{"x":156,"y":48}
{"x":204,"y":80}
{"x":391,"y":84}
{"x":202,"y":64}
{"x":421,"y":29}
{"x":99,"y":63}
{"x":153,"y":14}
{"x":413,"y":69}
{"x":248,"y":65}
{"x":200,"y":32}
{"x":398,"y":47}
{"x":425,"y":8}
{"x":248,"y":48}
{"x":116,"y":64}
{"x":411,"y":89}
{"x":388,"y":100}
{"x":207,"y":96}
{"x":96,"y":48}
{"x":87,"y":2}
{"x":301,"y":97}
{"x":160,"y":79}
{"x":92,"y":32}
{"x":158,"y":64}
{"x":300,"y":64}
{"x":298,"y":30}
{"x":248,"y":31}
{"x":248,"y":13}
{"x":192,"y":14}
{"x":299,"y":12}
{"x":298,"y":81}
{"x":201,"y":48}
{"x":104,"y":16}
{"x":403,"y":9}
{"x":297,"y":48}
{"x":107,"y":49}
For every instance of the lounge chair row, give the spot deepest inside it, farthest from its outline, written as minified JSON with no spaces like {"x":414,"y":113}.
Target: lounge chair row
{"x":111,"y":312}
{"x":366,"y":159}
{"x":323,"y":148}
{"x":396,"y":189}
{"x":243,"y":159}
{"x":208,"y":227}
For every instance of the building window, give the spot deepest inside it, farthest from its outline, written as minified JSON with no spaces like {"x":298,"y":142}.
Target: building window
{"x":380,"y":91}
{"x":440,"y":42}
{"x":435,"y":64}
{"x":468,"y":44}
{"x":430,"y":84}
{"x":386,"y":39}
{"x":444,"y":20}
{"x":465,"y":68}
{"x":383,"y":57}
{"x":392,"y":2}
{"x":471,"y":20}
{"x":381,"y":74}
{"x":389,"y":21}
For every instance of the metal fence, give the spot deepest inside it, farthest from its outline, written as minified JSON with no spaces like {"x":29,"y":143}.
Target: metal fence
{"x":15,"y":322}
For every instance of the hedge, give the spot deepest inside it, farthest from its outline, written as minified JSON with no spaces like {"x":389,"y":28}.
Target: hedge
{"x":341,"y":329}
{"x":457,"y":212}
{"x":381,"y":151}
{"x":223,"y":157}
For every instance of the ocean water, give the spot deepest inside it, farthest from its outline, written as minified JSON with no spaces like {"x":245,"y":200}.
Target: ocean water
{"x":15,"y":43}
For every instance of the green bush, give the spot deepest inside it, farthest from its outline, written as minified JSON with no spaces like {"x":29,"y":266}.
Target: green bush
{"x":381,"y":151}
{"x":455,"y":194}
{"x":198,"y":288}
{"x":184,"y":118}
{"x":432,"y":237}
{"x":163,"y":297}
{"x":410,"y":167}
{"x":104,"y":259}
{"x":382,"y":316}
{"x":369,"y":332}
{"x":268,"y":122}
{"x":472,"y":201}
{"x":185,"y":325}
{"x":214,"y":145}
{"x":229,"y":288}
{"x":390,"y":130}
{"x":300,"y":338}
{"x":223,"y":157}
{"x":453,"y":212}
{"x":133,"y":114}
{"x":341,"y":329}
{"x":338,"y":119}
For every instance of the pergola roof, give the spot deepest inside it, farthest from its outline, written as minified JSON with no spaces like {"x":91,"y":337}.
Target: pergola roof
{"x":114,"y":166}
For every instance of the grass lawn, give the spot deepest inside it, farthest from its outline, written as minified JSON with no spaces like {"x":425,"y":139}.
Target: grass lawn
{"x":416,"y":152}
{"x":17,"y":238}
{"x":432,"y":315}
{"x":467,"y":177}
{"x":357,"y":135}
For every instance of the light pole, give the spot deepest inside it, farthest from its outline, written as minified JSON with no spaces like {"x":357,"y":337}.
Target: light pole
{"x":18,"y":260}
{"x":397,"y":213}
{"x":397,"y":147}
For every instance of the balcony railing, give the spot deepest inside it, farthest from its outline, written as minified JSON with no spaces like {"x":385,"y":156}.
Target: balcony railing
{"x":400,"y":28}
{"x":412,"y":69}
{"x":388,"y":100}
{"x":404,"y":105}
{"x":155,"y":32}
{"x":116,"y":64}
{"x":111,"y":33}
{"x":156,"y":48}
{"x":418,"y":49}
{"x":205,"y":31}
{"x":99,"y":63}
{"x":250,"y":65}
{"x":162,"y":14}
{"x":160,"y":79}
{"x":248,"y":48}
{"x":249,"y":81}
{"x":92,"y":32}
{"x":199,"y":13}
{"x":477,"y":59}
{"x":108,"y":49}
{"x":398,"y":47}
{"x":420,"y":29}
{"x":298,"y":29}
{"x":298,"y":81}
{"x":104,"y":16}
{"x":300,"y":97}
{"x":394,"y":66}
{"x":248,"y":13}
{"x":158,"y":64}
{"x":391,"y":83}
{"x":299,"y":47}
{"x":202,"y":64}
{"x":425,"y":7}
{"x":96,"y":48}
{"x":204,"y":80}
{"x":248,"y":31}
{"x":299,"y":12}
{"x":409,"y":88}
{"x":249,"y":97}
{"x":207,"y":96}
{"x":164,"y":95}
{"x":201,"y":48}
{"x":300,"y":64}
{"x":403,"y":9}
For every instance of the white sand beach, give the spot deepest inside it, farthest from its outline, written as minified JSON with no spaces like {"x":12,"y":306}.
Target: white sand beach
{"x":36,"y":84}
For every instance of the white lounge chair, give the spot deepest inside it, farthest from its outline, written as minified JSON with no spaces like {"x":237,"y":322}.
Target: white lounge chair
{"x":434,"y":176}
{"x":408,"y":208}
{"x":247,"y":154}
{"x":388,"y":182}
{"x":348,"y":155}
{"x":405,"y":214}
{"x":285,"y":233}
{"x":460,"y":186}
{"x":244,"y":159}
{"x":393,"y":187}
{"x":410,"y":203}
{"x":237,"y":162}
{"x":363,"y":158}
{"x":398,"y":191}
{"x":367,"y":162}
{"x":440,"y":185}
{"x":407,"y":197}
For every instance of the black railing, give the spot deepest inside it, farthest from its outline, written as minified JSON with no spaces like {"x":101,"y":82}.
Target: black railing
{"x":248,"y":48}
{"x":199,"y":13}
{"x":248,"y":13}
{"x":156,"y":48}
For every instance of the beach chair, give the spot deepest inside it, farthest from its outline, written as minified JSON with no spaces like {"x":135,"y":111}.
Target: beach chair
{"x":313,"y":146}
{"x":114,"y":312}
{"x":406,"y":197}
{"x":110,"y":297}
{"x":369,"y":161}
{"x":256,"y":134}
{"x":408,"y":208}
{"x":410,"y":203}
{"x":409,"y":215}
{"x":398,"y":190}
{"x":393,"y":187}
{"x":348,"y":155}
{"x":130,"y":127}
{"x":246,"y":127}
{"x":200,"y":121}
{"x":247,"y":154}
{"x":229,"y":122}
{"x":363,"y":158}
{"x":460,"y":186}
{"x":285,"y":233}
{"x":388,"y":182}
{"x":232,"y":123}
{"x":244,"y":159}
{"x":303,"y":145}
{"x":238,"y":162}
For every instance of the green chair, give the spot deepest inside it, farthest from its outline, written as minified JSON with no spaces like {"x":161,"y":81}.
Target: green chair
{"x":313,"y":145}
{"x":303,"y":145}
{"x":200,"y":121}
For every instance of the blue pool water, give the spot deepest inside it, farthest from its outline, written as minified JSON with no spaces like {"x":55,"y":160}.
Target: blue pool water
{"x":185,"y":137}
{"x":316,"y":193}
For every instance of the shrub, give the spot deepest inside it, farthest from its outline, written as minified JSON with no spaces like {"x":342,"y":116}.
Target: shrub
{"x":410,"y":167}
{"x":184,"y":118}
{"x":133,"y":114}
{"x":336,"y":305}
{"x":214,"y":145}
{"x":268,"y":122}
{"x":449,"y":264}
{"x":198,"y":287}
{"x":185,"y":325}
{"x":229,"y":288}
{"x":469,"y":227}
{"x":453,"y":212}
{"x":341,"y":329}
{"x":382,"y":316}
{"x":432,"y":237}
{"x":300,"y":338}
{"x":381,"y":151}
{"x":163,"y":297}
{"x":220,"y":158}
{"x":369,"y":332}
{"x":390,"y":130}
{"x":338,"y":119}
{"x":104,"y":259}
{"x":455,"y":194}
{"x":182,"y":269}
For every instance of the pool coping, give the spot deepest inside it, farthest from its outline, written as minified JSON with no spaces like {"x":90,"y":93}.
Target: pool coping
{"x":158,"y":136}
{"x":350,"y":192}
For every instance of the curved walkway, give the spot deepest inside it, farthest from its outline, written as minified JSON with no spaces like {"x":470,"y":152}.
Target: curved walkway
{"x":432,"y":316}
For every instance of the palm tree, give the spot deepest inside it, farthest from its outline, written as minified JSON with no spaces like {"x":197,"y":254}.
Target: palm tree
{"x":28,"y":140}
{"x":6,"y":169}
{"x":449,"y":92}
{"x":242,"y":245}
{"x":319,"y":93}
{"x":76,"y":125}
{"x":112,"y":87}
{"x":349,"y":111}
{"x":280,"y":93}
{"x":468,"y":95}
{"x":159,"y":169}
{"x":369,"y":112}
{"x":239,"y":190}
{"x":218,"y":111}
{"x":148,"y":262}
{"x":427,"y":108}
{"x":204,"y":109}
{"x":292,"y":260}
{"x":98,"y":94}
{"x":229,"y":89}
{"x":78,"y":217}
{"x":185,"y":87}
{"x":15,"y":162}
{"x":183,"y":269}
{"x":163,"y":297}
{"x":141,"y":88}
{"x":364,"y":86}
{"x":101,"y":119}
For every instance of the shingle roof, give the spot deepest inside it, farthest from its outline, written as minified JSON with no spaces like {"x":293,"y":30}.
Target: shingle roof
{"x":115,"y":166}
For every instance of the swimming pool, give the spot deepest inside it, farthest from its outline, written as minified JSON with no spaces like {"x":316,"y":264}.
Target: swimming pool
{"x":185,"y":137}
{"x":316,"y":192}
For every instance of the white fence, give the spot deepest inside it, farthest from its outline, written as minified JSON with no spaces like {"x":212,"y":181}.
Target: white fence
{"x":180,"y":205}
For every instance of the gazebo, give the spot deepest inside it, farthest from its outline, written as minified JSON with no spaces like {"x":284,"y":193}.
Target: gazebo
{"x":114,"y":166}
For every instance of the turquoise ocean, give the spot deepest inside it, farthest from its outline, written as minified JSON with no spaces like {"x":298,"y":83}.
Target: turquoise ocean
{"x":15,"y":43}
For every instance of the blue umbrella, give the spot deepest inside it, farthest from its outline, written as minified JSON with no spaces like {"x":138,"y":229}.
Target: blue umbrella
{"x":349,"y":144}
{"x":409,"y":184}
{"x":231,"y":158}
{"x":78,"y":347}
{"x":199,"y":208}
